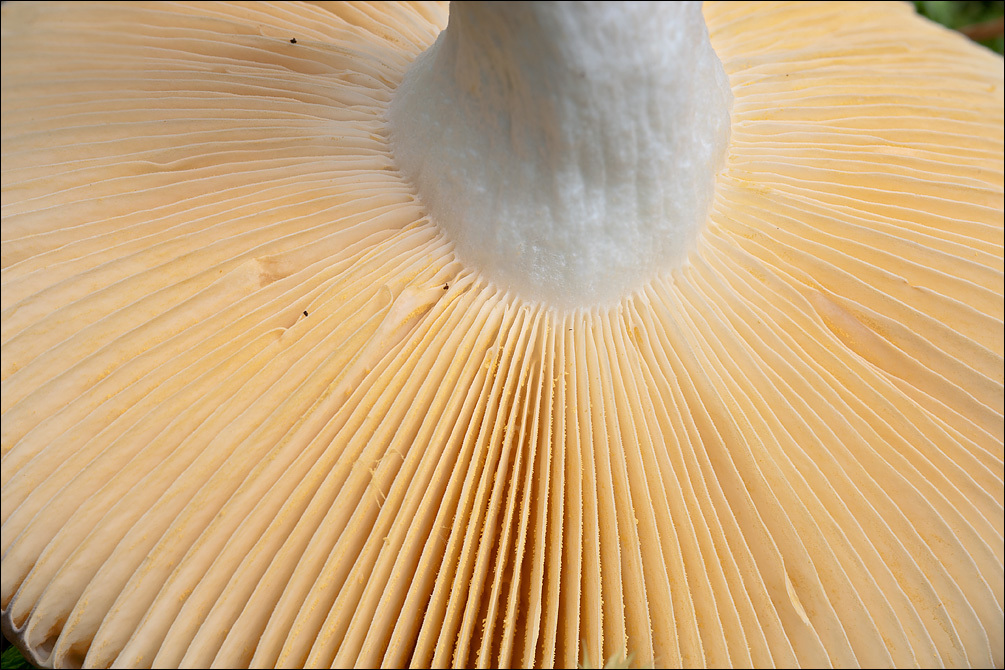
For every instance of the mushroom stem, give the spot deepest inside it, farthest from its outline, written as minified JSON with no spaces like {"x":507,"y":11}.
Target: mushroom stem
{"x":568,"y":149}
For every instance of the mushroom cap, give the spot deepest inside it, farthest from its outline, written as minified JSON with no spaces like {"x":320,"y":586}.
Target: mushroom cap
{"x":254,"y":411}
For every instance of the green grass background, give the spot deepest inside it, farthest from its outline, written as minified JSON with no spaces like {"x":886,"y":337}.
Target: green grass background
{"x":956,"y":15}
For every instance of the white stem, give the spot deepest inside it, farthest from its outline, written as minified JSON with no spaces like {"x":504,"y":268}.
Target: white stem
{"x":569,"y":149}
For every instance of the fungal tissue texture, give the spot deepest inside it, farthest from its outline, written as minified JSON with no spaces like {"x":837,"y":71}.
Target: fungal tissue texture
{"x":262,"y":403}
{"x":568,"y":149}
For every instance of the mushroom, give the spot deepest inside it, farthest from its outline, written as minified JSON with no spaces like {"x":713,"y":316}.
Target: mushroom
{"x":578,"y":332}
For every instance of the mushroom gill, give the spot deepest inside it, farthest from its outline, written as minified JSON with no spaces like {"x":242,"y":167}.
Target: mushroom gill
{"x":257,"y":410}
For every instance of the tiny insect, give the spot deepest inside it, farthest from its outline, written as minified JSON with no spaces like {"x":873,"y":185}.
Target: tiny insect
{"x":293,"y":41}
{"x":305,"y":312}
{"x":446,"y":286}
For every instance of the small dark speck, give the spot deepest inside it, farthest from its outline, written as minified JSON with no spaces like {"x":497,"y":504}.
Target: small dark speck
{"x":446,"y":286}
{"x":293,"y":41}
{"x":305,"y":312}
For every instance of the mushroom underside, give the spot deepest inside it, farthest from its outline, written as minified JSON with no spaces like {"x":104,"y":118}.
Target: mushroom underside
{"x":256,"y":411}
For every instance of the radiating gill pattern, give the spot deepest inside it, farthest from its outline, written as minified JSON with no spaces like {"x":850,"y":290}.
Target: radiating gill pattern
{"x":255,"y":413}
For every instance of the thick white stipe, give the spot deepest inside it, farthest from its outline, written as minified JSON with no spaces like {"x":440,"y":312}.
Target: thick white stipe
{"x":568,"y":149}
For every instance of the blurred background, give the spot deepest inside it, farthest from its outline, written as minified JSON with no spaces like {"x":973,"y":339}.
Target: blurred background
{"x":980,"y":21}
